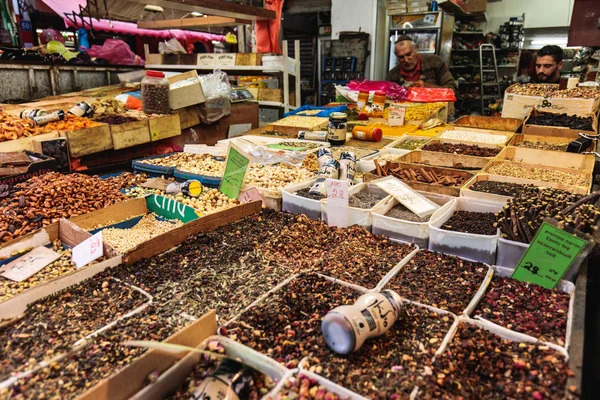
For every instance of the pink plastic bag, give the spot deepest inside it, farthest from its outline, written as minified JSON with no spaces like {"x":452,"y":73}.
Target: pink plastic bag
{"x":392,"y":90}
{"x":115,"y":52}
{"x":430,"y":95}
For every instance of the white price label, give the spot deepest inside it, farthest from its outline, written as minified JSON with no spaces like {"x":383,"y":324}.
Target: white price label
{"x":88,"y":250}
{"x":250,"y":195}
{"x":396,"y":115}
{"x":337,"y":202}
{"x":408,"y":197}
{"x":27,"y":265}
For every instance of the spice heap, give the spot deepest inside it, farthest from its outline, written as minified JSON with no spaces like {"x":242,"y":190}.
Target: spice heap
{"x":123,"y":240}
{"x":411,"y":144}
{"x":45,"y":199}
{"x":388,"y":366}
{"x":402,"y":213}
{"x":479,"y":223}
{"x":298,"y":143}
{"x":310,"y":163}
{"x":438,"y":280}
{"x":359,"y":152}
{"x":275,"y":176}
{"x":478,"y":364}
{"x":303,"y":387}
{"x":540,"y":174}
{"x":419,"y":111}
{"x":501,"y":188}
{"x":200,"y":164}
{"x":62,"y":266}
{"x":422,"y":174}
{"x":108,"y":106}
{"x":522,"y":216}
{"x":527,"y":308}
{"x":564,"y":120}
{"x":385,"y":157}
{"x":475,"y":137}
{"x":464,"y":149}
{"x":365,"y":199}
{"x":545,"y":146}
{"x":286,"y":326}
{"x":209,"y":201}
{"x":51,"y":326}
{"x":305,"y":193}
{"x":544,"y":90}
{"x":126,"y":180}
{"x":353,"y":255}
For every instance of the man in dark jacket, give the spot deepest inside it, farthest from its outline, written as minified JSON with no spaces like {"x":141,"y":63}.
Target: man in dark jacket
{"x":548,"y":63}
{"x":414,"y":69}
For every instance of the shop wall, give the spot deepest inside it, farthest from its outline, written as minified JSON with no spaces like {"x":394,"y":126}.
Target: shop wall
{"x":538,"y":13}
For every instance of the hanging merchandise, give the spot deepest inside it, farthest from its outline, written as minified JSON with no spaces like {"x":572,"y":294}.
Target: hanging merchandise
{"x":84,"y":40}
{"x":116,"y":52}
{"x":267,"y":31}
{"x":230,"y":38}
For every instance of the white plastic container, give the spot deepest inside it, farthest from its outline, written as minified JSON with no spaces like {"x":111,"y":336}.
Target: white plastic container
{"x":467,"y":245}
{"x":358,"y":216}
{"x":367,"y":164}
{"x":406,"y":231}
{"x":296,"y":204}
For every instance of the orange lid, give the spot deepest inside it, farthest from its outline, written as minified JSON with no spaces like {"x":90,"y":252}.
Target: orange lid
{"x":380,"y":94}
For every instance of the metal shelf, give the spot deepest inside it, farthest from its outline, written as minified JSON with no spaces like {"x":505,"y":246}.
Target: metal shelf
{"x":223,"y":68}
{"x":470,"y":33}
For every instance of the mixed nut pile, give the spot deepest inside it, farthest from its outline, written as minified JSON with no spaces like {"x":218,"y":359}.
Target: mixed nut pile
{"x":540,"y":174}
{"x":544,"y":90}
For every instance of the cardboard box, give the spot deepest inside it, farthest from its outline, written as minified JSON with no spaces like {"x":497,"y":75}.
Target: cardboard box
{"x":225,"y":59}
{"x":557,"y":131}
{"x":88,"y":141}
{"x":130,"y":134}
{"x":164,"y":127}
{"x":57,"y":148}
{"x":474,"y":6}
{"x":17,"y":172}
{"x":152,"y":59}
{"x":188,"y":116}
{"x":519,"y":106}
{"x":207,"y":60}
{"x":188,"y":59}
{"x":248,"y":59}
{"x":188,"y":95}
{"x":270,"y":95}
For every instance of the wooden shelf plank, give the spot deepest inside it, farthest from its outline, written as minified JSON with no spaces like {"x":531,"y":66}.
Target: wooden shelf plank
{"x":219,"y":8}
{"x":192,"y":23}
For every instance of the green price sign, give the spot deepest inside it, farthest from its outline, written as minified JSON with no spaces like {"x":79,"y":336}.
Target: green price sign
{"x":235,"y":172}
{"x":549,"y":257}
{"x":170,"y":209}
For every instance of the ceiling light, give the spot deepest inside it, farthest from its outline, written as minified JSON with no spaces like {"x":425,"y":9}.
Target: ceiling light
{"x":197,"y":14}
{"x":154,"y":9}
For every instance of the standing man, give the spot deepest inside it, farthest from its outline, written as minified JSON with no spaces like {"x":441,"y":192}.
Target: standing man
{"x":414,"y":69}
{"x":548,"y":63}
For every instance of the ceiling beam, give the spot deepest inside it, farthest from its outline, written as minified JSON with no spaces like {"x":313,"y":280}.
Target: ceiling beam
{"x":191,"y":23}
{"x":218,"y":8}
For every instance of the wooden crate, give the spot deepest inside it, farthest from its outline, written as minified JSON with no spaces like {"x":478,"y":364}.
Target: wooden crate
{"x":25,"y":143}
{"x":249,"y":59}
{"x":556,"y":131}
{"x":292,"y":125}
{"x":547,"y":158}
{"x":130,"y":134}
{"x":518,"y":139}
{"x":163,"y":127}
{"x":519,"y":106}
{"x":188,"y":117}
{"x":88,"y":141}
{"x":493,"y":123}
{"x":446,"y":160}
{"x":270,"y":95}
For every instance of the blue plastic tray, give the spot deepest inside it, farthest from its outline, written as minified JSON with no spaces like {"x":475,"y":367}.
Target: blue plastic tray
{"x":152,"y":170}
{"x":206,"y":180}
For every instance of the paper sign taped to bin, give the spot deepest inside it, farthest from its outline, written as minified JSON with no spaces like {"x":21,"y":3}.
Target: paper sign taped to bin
{"x":337,"y":202}
{"x":29,"y":264}
{"x":88,"y":250}
{"x":250,"y":195}
{"x":170,"y":208}
{"x":407,"y":196}
{"x":236,"y":169}
{"x":550,"y":255}
{"x":396,"y":115}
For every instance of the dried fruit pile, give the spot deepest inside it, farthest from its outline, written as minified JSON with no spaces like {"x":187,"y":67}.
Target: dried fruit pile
{"x":479,"y":223}
{"x":303,"y":387}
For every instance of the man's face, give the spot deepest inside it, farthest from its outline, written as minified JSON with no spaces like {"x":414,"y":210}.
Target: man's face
{"x":547,"y":69}
{"x":407,"y":55}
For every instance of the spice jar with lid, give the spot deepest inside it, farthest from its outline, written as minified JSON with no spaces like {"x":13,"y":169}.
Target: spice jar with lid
{"x":155,"y":93}
{"x":377,"y":105}
{"x":338,"y":128}
{"x":367,"y":133}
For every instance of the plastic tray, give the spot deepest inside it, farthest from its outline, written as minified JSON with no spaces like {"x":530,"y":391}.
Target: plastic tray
{"x":468,"y":245}
{"x":358,"y":216}
{"x":564,"y":286}
{"x":153,"y":170}
{"x":300,"y":205}
{"x":206,"y":180}
{"x":406,"y":231}
{"x":510,"y":253}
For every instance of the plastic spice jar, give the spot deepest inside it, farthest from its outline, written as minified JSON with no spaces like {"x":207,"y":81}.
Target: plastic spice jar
{"x":377,"y":105}
{"x":155,"y":93}
{"x":367,"y":133}
{"x":363,"y":99}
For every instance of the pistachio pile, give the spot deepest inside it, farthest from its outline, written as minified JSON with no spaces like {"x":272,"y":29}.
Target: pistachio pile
{"x":276,"y":176}
{"x":148,"y":227}
{"x":208,"y":202}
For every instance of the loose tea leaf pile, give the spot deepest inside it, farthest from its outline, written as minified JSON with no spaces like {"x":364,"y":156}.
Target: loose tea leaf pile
{"x":303,"y":387}
{"x":438,"y":280}
{"x":564,"y":120}
{"x":365,"y":199}
{"x":527,"y":308}
{"x":479,"y":223}
{"x":402,"y":213}
{"x":461,"y":148}
{"x":500,"y":188}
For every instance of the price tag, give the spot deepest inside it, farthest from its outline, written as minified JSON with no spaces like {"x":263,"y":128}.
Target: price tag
{"x":170,"y":208}
{"x":396,"y":115}
{"x":408,"y":197}
{"x":337,"y":202}
{"x":236,"y":169}
{"x":27,"y":265}
{"x":549,"y":257}
{"x":250,"y":195}
{"x":88,"y":250}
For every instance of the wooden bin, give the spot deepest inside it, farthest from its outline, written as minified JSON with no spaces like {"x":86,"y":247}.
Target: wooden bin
{"x":188,"y":116}
{"x":508,"y":135}
{"x":130,"y":134}
{"x":556,"y":131}
{"x":563,"y":160}
{"x":446,"y":160}
{"x":163,"y":127}
{"x":249,"y":59}
{"x":88,"y":141}
{"x":493,"y":123}
{"x":25,"y":143}
{"x":518,"y":139}
{"x":293,"y":124}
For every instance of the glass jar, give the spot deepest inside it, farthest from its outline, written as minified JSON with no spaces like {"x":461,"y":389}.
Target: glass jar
{"x":338,"y":128}
{"x":155,"y":93}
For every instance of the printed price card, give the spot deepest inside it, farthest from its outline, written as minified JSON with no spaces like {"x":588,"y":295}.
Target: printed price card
{"x":29,"y":264}
{"x":337,"y":202}
{"x":250,"y":195}
{"x":549,"y":257}
{"x":396,"y":115}
{"x":236,"y":169}
{"x":408,"y":197}
{"x":88,"y":250}
{"x":170,"y":208}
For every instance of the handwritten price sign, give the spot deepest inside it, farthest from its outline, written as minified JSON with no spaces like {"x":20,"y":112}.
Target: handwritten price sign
{"x":88,"y":250}
{"x":337,"y":202}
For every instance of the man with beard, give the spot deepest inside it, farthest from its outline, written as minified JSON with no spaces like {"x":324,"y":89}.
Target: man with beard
{"x":414,"y":69}
{"x":548,"y":63}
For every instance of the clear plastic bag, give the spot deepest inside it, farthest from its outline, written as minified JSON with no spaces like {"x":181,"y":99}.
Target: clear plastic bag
{"x":215,"y":84}
{"x":215,"y":108}
{"x":262,"y":155}
{"x":171,"y":46}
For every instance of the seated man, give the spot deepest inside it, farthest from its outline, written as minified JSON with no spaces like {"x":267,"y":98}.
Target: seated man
{"x":414,"y":69}
{"x":548,"y":63}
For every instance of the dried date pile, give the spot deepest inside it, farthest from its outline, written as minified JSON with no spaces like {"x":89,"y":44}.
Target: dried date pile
{"x":286,"y":326}
{"x":388,"y":366}
{"x":564,"y":120}
{"x":527,"y":308}
{"x":481,"y":365}
{"x":479,"y":223}
{"x":439,"y":280}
